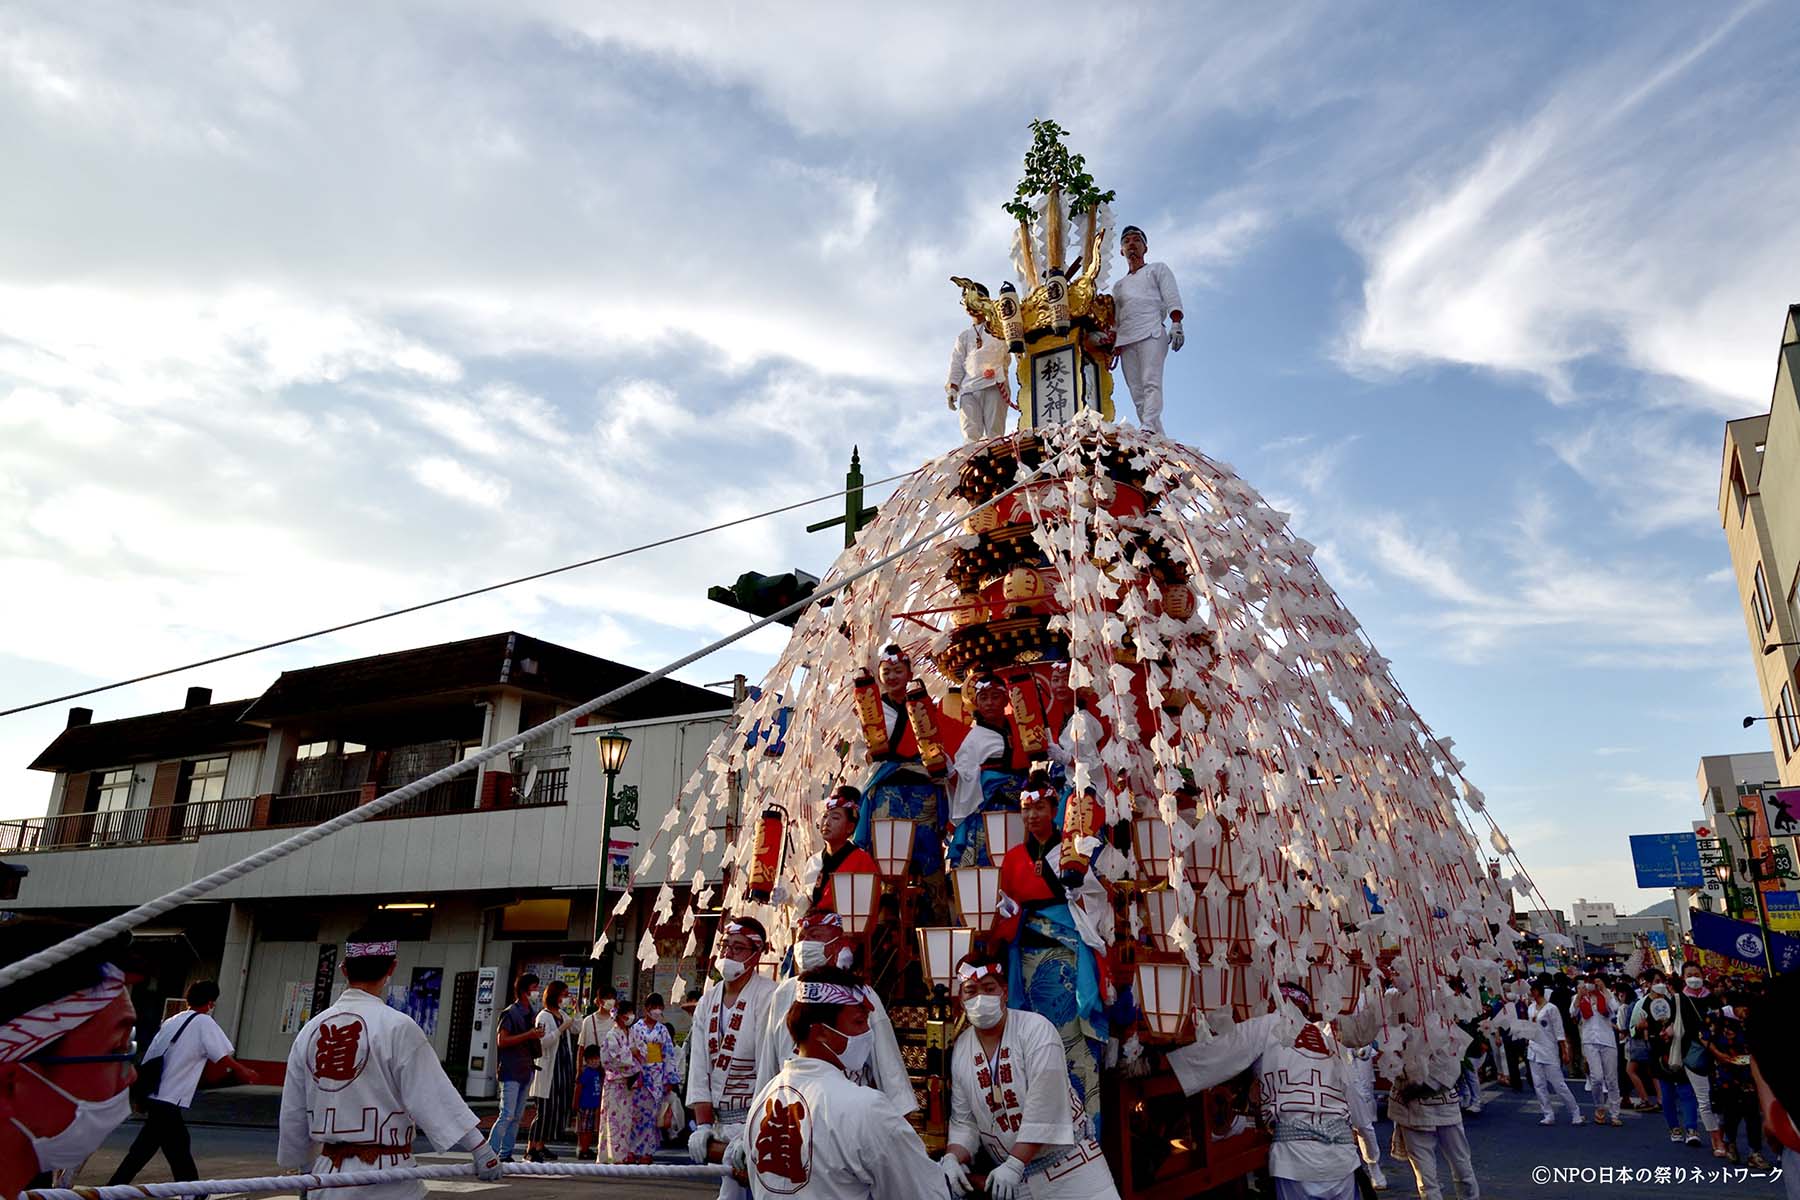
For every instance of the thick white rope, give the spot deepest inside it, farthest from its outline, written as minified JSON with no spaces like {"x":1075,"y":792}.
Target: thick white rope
{"x":149,"y":911}
{"x":265,"y":1184}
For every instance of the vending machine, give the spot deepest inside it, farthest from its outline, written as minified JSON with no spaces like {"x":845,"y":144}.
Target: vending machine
{"x":480,"y":1084}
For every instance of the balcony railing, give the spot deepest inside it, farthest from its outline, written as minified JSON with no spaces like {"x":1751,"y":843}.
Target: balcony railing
{"x":456,"y":796}
{"x":313,"y":808}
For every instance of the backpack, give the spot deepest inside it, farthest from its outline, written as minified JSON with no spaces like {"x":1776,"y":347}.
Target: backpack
{"x":150,"y":1070}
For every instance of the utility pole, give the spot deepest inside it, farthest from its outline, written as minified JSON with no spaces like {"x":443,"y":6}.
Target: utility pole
{"x":855,"y":517}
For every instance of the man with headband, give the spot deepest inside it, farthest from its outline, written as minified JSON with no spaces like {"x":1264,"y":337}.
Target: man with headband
{"x":1143,"y":297}
{"x":723,"y":1040}
{"x":900,"y":786}
{"x":836,"y":824}
{"x":1304,"y":1084}
{"x":1011,"y":1097}
{"x":361,"y":1078}
{"x":816,"y":1135}
{"x":986,"y":772}
{"x":66,"y":1055}
{"x":822,"y":944}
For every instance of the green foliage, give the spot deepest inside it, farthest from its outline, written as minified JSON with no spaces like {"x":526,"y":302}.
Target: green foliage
{"x":1048,"y":164}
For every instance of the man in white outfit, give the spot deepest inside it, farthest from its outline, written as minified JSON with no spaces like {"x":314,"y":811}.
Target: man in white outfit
{"x":1142,"y":299}
{"x":722,"y":1043}
{"x":976,"y":388}
{"x":1600,"y":1047}
{"x":360,"y":1078}
{"x":1548,"y":1054}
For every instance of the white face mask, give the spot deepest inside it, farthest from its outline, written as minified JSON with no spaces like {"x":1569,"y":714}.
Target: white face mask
{"x":984,"y":1011}
{"x":809,"y":955}
{"x":93,"y":1120}
{"x":857,"y":1048}
{"x":730,"y":969}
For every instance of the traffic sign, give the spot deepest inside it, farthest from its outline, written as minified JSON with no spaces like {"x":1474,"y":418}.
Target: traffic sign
{"x":1667,"y":860}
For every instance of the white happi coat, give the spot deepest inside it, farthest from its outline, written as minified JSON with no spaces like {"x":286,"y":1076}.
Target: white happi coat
{"x":364,"y":1074}
{"x":977,"y":352}
{"x":885,"y":1071}
{"x":815,"y":1135}
{"x":1023,"y":1094}
{"x":964,"y":783}
{"x":722,"y":1044}
{"x":1305,"y":1094}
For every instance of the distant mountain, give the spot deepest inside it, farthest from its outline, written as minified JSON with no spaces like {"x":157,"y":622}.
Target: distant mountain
{"x":1662,"y":908}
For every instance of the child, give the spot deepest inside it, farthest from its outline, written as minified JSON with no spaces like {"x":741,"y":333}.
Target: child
{"x":587,"y":1101}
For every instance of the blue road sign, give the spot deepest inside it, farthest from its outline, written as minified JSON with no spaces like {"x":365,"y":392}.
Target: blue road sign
{"x":1667,"y":860}
{"x":1659,"y":939}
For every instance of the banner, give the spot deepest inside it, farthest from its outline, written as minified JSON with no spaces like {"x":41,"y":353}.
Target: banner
{"x":1741,"y":943}
{"x":296,"y":1006}
{"x":1784,"y":911}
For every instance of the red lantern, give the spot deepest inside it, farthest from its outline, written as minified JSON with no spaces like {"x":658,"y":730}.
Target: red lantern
{"x":765,"y":860}
{"x":925,"y":731}
{"x":1027,"y":708}
{"x":1083,"y":820}
{"x":869,"y":712}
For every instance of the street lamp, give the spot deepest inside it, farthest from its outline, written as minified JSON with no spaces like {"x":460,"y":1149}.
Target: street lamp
{"x":1744,"y":817}
{"x":1722,"y":869}
{"x":1772,"y":647}
{"x":612,"y":747}
{"x":1749,"y":721}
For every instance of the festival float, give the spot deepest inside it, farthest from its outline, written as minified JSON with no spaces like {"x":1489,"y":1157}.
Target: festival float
{"x":1244,"y":796}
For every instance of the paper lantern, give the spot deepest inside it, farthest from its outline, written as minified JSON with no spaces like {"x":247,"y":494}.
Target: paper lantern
{"x":892,"y":840}
{"x":1004,"y":831}
{"x":765,"y":858}
{"x":1275,"y":866}
{"x":867,"y":698}
{"x":1150,"y":842}
{"x":941,"y":947}
{"x":1164,"y":908}
{"x":977,"y":895}
{"x":1221,"y":920}
{"x":1164,"y":992}
{"x":1213,"y":988}
{"x":854,"y":892}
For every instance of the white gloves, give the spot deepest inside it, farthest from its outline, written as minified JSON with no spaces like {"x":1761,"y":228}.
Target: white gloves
{"x":950,"y":391}
{"x":487,"y":1161}
{"x":956,"y":1173}
{"x":698,"y":1142}
{"x":1176,"y":337}
{"x":737,"y":1155}
{"x":1004,"y":1180}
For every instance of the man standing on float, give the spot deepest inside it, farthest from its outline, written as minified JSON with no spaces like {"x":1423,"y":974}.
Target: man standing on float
{"x":976,"y":388}
{"x":1142,"y":299}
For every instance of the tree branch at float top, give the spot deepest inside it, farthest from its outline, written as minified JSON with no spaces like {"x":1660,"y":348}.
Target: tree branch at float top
{"x":1049,"y":166}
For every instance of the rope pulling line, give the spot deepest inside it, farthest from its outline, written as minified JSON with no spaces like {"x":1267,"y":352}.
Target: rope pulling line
{"x":266,"y":1184}
{"x":413,"y":608}
{"x":150,"y":910}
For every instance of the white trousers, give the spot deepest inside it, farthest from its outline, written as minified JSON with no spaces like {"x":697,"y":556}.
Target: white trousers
{"x":1143,"y":363}
{"x":1548,"y":1082}
{"x":729,"y":1188}
{"x":1369,"y":1146}
{"x":1603,"y":1075}
{"x":1709,"y":1120}
{"x":1450,"y":1142}
{"x":982,"y":412}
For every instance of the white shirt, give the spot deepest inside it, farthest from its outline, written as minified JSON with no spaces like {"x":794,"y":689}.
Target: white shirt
{"x":976,"y":353}
{"x":365,"y":1074}
{"x":722,"y":1044}
{"x":203,"y":1043}
{"x":541,"y":1079}
{"x":815,"y":1135}
{"x":885,"y":1070}
{"x":979,"y":745}
{"x":1142,"y":299}
{"x":1545,"y":1031}
{"x":1598,"y":1030}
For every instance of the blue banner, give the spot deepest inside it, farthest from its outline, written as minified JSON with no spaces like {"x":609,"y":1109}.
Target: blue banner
{"x":1742,"y":940}
{"x":1667,"y":860}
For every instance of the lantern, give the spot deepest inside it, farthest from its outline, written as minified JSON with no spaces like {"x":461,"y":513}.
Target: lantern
{"x":1150,"y":841}
{"x":1178,"y":601}
{"x":854,"y":892}
{"x":1027,"y":709}
{"x":869,"y":711}
{"x":1164,"y":992}
{"x":1164,"y":909}
{"x":765,"y":859}
{"x":1056,"y":299}
{"x":1004,"y":831}
{"x":1275,"y":866}
{"x":1083,"y":821}
{"x":941,"y":947}
{"x":925,"y":732}
{"x":1214,"y":990}
{"x":1221,"y":921}
{"x":1012,"y":325}
{"x":769,"y":966}
{"x":977,"y":895}
{"x":892,"y":841}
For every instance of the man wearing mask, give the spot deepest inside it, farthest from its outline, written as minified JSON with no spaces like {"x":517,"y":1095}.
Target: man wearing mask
{"x":822,"y":944}
{"x":815,"y":1135}
{"x":186,"y":1043}
{"x":519,"y":1041}
{"x":722,"y":1042}
{"x":1010,"y":1096}
{"x":1600,"y":1047}
{"x":1697,"y":1007}
{"x":1549,"y":1054}
{"x":361,"y":1077}
{"x":1654,"y":1020}
{"x":66,"y":1057}
{"x":1143,"y":298}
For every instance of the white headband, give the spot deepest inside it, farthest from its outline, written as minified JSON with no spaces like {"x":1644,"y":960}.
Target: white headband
{"x":970,"y":972}
{"x":812,"y":992}
{"x":27,"y":1033}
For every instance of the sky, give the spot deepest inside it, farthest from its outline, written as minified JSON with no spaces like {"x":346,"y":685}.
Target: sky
{"x":306,"y":315}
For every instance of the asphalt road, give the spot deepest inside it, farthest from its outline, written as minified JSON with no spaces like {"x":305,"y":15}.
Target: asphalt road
{"x":1508,"y":1145}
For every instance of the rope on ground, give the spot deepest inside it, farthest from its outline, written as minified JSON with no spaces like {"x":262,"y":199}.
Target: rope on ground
{"x":413,"y":608}
{"x":265,"y":1184}
{"x":150,"y":910}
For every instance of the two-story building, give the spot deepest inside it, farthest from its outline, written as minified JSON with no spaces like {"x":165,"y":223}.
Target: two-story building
{"x":495,"y":869}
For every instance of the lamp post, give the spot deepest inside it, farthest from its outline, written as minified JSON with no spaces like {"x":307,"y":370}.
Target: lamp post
{"x":1723,"y":871}
{"x":612,"y":747}
{"x":1772,"y":647}
{"x":1744,"y":818}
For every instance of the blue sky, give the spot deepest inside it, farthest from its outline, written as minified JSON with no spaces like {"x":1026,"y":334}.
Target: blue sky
{"x":304,"y":316}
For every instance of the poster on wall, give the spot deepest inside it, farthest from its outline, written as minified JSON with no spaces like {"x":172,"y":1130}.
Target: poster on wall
{"x":325,"y":978}
{"x":296,"y":1005}
{"x":419,"y":1000}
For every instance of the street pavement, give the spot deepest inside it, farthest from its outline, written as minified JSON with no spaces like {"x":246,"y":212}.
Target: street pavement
{"x":1508,"y":1144}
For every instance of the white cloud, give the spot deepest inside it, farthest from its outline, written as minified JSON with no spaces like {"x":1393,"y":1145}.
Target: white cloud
{"x":450,"y":478}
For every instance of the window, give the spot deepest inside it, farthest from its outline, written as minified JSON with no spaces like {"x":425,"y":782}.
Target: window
{"x":1765,"y":611}
{"x":206,"y":779}
{"x":111,"y":798}
{"x":1789,"y":720}
{"x":312,"y":750}
{"x":533,"y":918}
{"x":1738,"y":489}
{"x":1794,"y":599}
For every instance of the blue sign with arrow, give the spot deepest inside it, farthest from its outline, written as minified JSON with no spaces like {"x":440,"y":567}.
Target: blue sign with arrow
{"x":1667,"y":860}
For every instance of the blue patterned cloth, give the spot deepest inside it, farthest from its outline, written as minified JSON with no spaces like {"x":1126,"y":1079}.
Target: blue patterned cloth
{"x":999,"y":792}
{"x":890,"y":792}
{"x":1061,"y":983}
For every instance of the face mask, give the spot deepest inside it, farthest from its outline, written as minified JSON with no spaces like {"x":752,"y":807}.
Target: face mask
{"x":1695,"y":983}
{"x":1660,"y":989}
{"x":654,"y":1014}
{"x":984,"y":1011}
{"x":809,"y":955}
{"x":730,"y":969}
{"x":857,"y":1048}
{"x":93,"y":1120}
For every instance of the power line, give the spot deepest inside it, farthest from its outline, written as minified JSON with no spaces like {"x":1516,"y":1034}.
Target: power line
{"x":400,"y":612}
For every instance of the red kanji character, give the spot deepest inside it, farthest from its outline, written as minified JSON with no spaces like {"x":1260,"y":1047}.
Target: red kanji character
{"x":334,"y":1055}
{"x":780,"y":1142}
